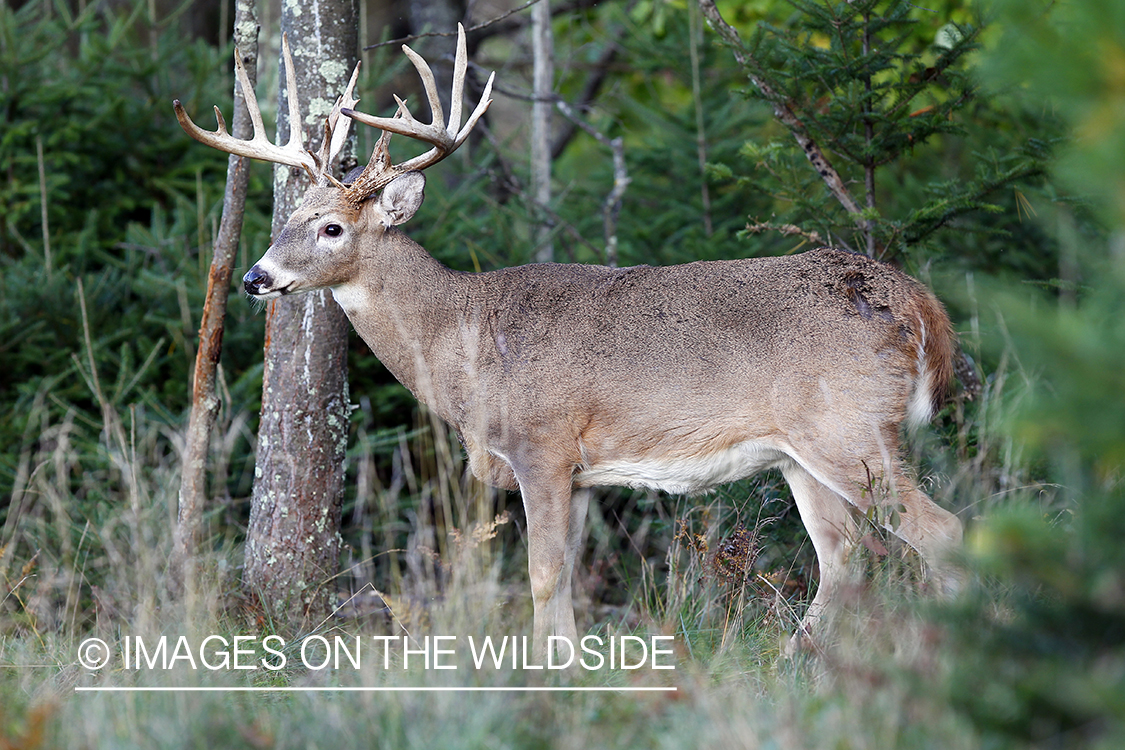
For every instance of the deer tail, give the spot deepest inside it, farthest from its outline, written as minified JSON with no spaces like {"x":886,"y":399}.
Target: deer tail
{"x":936,"y":346}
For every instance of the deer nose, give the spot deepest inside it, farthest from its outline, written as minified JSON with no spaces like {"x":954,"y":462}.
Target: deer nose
{"x":254,"y":280}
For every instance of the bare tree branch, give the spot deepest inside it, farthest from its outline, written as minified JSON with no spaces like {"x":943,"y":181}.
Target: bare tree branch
{"x":543,"y":45}
{"x":204,"y":401}
{"x":589,"y":93}
{"x":611,"y":207}
{"x":787,"y":230}
{"x":474,"y":30}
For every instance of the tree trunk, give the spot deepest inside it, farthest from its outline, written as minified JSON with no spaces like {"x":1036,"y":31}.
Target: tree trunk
{"x":205,"y":402}
{"x":293,"y":542}
{"x":868,"y":137}
{"x":542,"y":41}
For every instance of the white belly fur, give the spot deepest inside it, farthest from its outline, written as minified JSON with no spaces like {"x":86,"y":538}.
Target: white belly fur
{"x":683,"y":476}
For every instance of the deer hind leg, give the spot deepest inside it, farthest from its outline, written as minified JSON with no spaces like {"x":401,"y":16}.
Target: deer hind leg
{"x":931,"y":530}
{"x":881,"y":480}
{"x":554,"y":530}
{"x":833,"y":532}
{"x":579,"y":503}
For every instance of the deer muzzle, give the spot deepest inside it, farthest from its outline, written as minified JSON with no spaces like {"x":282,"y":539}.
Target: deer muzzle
{"x":258,"y":283}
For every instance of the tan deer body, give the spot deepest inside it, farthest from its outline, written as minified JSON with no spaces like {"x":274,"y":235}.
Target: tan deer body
{"x":680,"y":378}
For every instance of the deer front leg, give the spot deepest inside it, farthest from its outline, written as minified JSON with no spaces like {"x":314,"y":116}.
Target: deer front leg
{"x":554,"y":528}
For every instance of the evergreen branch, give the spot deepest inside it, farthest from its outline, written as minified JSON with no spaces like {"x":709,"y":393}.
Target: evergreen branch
{"x":783,"y":110}
{"x":928,"y":219}
{"x":920,"y":81}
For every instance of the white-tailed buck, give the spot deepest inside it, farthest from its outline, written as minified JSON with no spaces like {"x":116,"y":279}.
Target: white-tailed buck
{"x":564,"y":377}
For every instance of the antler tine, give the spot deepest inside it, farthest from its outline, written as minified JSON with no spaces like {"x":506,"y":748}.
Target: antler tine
{"x":259,"y":147}
{"x":460,"y":64}
{"x":481,"y":108}
{"x":335,"y":132}
{"x":346,"y":101}
{"x":248,"y":95}
{"x":429,"y":83}
{"x":296,"y":129}
{"x":444,"y":139}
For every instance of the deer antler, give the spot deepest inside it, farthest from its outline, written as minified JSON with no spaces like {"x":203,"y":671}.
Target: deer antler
{"x":293,"y":153}
{"x":445,"y":139}
{"x":379,"y":170}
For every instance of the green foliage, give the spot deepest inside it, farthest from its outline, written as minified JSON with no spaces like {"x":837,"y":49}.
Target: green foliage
{"x":131,"y":207}
{"x":1049,"y":667}
{"x":1088,"y":90}
{"x":1041,"y":651}
{"x":885,"y":91}
{"x":82,"y":86}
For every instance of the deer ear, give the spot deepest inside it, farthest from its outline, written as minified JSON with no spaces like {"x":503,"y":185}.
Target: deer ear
{"x":402,"y":197}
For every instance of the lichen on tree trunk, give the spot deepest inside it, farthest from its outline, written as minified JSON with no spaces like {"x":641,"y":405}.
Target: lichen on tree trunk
{"x":293,"y":541}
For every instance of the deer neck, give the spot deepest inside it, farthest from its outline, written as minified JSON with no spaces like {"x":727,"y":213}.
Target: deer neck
{"x":402,"y":304}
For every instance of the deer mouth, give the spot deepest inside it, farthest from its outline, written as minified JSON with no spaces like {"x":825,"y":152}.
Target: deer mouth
{"x":260,"y":284}
{"x":268,"y":294}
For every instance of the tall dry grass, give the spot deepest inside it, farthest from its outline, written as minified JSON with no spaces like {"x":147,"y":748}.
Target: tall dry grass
{"x":85,"y":554}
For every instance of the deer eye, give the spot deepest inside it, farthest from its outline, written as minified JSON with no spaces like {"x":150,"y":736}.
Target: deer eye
{"x":332,"y":230}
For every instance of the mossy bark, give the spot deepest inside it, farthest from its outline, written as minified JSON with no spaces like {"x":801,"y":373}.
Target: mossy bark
{"x":293,"y":541}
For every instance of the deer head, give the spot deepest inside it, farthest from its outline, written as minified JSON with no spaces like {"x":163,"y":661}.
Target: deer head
{"x":317,"y":247}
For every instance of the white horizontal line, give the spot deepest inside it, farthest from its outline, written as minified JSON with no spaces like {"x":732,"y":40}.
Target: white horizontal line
{"x":247,"y":689}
